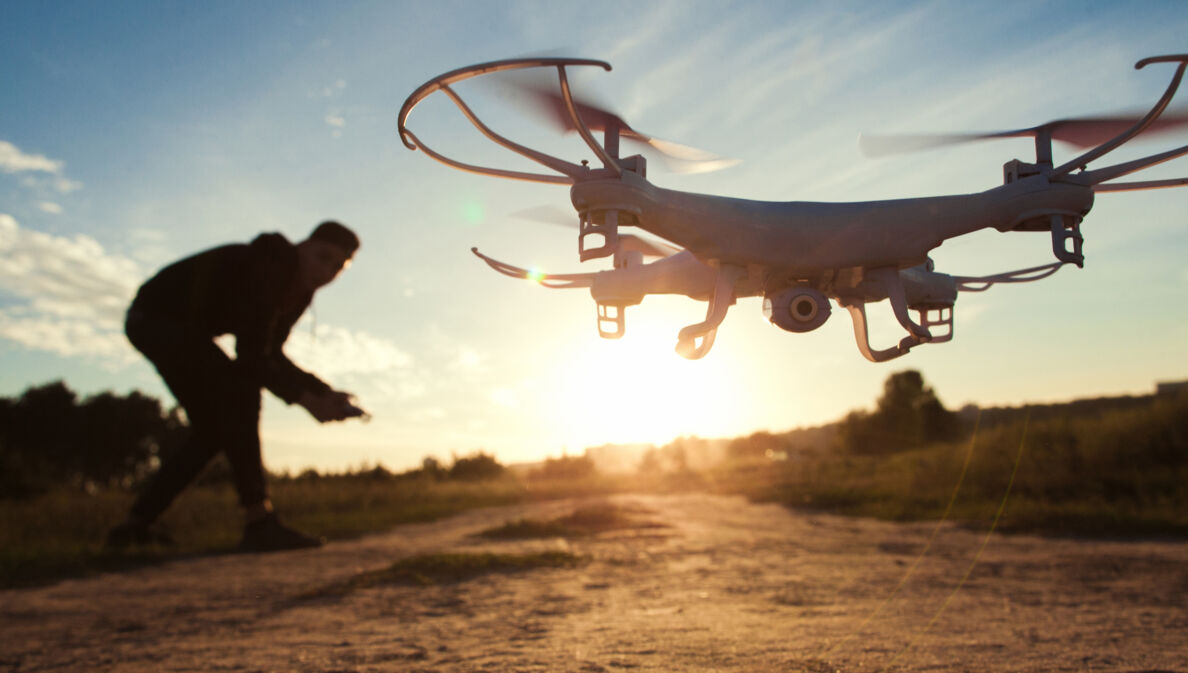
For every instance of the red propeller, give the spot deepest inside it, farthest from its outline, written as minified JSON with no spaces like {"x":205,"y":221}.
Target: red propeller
{"x":546,"y":100}
{"x":1082,"y":133}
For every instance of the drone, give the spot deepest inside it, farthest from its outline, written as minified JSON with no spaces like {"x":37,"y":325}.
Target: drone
{"x":799,"y":256}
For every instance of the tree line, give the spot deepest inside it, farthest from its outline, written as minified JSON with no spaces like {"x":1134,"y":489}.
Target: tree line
{"x":48,"y":436}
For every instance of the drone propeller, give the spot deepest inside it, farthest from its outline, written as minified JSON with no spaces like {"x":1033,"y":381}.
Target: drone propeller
{"x":648,"y":247}
{"x":1082,"y":133}
{"x":548,"y":101}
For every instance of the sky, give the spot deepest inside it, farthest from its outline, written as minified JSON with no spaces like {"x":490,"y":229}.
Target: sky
{"x":135,"y":134}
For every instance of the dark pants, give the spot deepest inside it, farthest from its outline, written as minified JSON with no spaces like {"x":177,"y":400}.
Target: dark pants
{"x":223,"y":409}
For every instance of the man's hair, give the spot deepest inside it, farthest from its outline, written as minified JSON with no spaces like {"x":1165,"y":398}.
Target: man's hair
{"x":333,"y":232}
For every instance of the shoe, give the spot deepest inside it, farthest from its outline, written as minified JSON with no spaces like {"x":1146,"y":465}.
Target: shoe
{"x":129,"y":534}
{"x":269,"y":534}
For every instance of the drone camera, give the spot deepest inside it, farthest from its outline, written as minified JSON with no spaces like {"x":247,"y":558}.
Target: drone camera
{"x":797,"y":309}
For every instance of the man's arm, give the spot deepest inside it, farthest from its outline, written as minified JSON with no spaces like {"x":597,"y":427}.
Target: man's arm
{"x":266,"y":272}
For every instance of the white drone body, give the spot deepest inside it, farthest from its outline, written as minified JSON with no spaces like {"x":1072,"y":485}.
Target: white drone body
{"x":800,"y":255}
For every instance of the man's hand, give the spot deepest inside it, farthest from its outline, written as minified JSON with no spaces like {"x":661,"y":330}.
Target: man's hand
{"x":331,"y":405}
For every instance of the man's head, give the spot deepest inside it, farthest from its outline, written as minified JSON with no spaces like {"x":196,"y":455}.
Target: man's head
{"x":327,"y":251}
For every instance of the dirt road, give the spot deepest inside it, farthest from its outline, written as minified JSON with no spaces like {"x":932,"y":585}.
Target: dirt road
{"x":721,"y":585}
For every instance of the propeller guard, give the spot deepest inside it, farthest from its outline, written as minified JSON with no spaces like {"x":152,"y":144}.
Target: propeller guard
{"x":568,"y":172}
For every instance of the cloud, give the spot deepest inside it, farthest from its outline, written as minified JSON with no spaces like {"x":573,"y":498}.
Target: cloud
{"x":337,"y":351}
{"x":49,"y":207}
{"x":13,"y":160}
{"x":66,"y":337}
{"x":66,"y":185}
{"x":370,"y":365}
{"x":66,"y":294}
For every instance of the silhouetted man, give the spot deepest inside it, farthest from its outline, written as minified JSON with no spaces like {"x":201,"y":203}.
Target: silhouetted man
{"x":256,"y":292}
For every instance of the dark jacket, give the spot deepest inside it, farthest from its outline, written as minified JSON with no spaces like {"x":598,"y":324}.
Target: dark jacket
{"x":248,"y":290}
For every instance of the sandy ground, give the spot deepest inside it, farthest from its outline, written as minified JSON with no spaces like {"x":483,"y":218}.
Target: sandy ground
{"x":725,"y":585}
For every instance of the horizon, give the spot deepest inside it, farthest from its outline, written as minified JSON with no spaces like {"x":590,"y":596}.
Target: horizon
{"x":140,"y":134}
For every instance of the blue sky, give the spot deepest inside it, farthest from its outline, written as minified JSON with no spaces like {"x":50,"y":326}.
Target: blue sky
{"x":134,"y":134}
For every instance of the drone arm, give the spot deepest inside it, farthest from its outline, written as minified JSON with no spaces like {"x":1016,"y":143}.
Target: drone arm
{"x":555,"y":280}
{"x":1146,"y":121}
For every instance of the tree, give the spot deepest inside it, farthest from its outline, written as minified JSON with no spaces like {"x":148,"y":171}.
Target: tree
{"x":47,"y":437}
{"x":476,"y":467}
{"x":907,"y":415}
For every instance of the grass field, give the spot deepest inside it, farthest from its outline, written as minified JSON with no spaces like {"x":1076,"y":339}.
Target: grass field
{"x":62,"y":533}
{"x":1116,"y":473}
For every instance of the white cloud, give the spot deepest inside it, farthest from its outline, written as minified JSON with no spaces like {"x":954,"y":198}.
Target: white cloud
{"x":372,"y":366}
{"x":13,"y":160}
{"x":67,"y":295}
{"x":49,"y":207}
{"x":66,"y":185}
{"x":335,"y":120}
{"x":67,"y":337}
{"x":148,"y":245}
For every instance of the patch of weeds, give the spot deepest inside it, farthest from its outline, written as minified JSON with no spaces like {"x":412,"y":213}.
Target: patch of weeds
{"x":447,"y":568}
{"x":589,"y":520}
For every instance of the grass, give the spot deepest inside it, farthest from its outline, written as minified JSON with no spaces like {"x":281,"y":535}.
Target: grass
{"x":1119,"y":474}
{"x":584,"y":521}
{"x":446,"y":568}
{"x":61,"y":533}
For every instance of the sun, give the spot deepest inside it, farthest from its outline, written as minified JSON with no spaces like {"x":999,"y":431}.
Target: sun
{"x":638,"y":390}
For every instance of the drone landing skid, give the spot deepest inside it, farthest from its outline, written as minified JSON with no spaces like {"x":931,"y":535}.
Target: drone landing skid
{"x":694,"y":341}
{"x":889,"y":284}
{"x":862,"y":336}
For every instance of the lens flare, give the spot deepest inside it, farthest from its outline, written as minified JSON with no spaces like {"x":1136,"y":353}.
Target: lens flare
{"x":473,"y":213}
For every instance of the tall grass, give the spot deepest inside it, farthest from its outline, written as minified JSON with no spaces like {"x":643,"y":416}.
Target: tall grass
{"x":1122,"y":472}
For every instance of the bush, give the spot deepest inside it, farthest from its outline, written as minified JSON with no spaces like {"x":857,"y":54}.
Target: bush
{"x":476,"y":467}
{"x":908,"y":415}
{"x":566,"y":467}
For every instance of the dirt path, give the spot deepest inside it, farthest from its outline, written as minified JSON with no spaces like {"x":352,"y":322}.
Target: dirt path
{"x":724,"y":585}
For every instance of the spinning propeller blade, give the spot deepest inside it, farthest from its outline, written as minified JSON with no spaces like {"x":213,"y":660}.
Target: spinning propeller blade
{"x":648,"y":247}
{"x":554,"y":215}
{"x":546,"y":100}
{"x":1082,"y":133}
